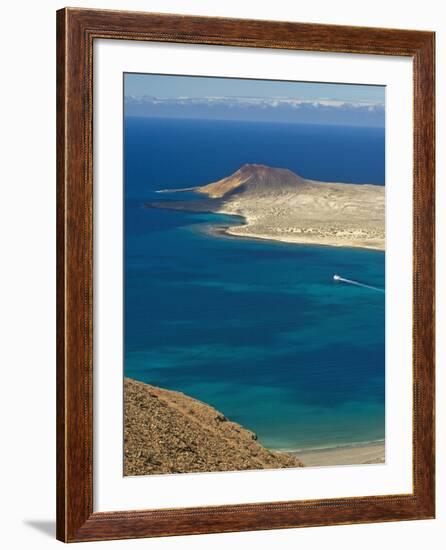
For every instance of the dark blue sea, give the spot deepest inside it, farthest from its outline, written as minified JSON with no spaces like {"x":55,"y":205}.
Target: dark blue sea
{"x":257,"y":329}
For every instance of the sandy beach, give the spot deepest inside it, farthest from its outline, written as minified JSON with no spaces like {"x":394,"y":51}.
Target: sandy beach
{"x":367,"y":453}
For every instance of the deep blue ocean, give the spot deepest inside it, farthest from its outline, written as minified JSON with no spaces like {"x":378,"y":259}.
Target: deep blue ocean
{"x":257,"y":329}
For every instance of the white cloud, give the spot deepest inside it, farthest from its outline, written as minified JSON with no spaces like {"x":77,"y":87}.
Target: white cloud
{"x":246,"y":102}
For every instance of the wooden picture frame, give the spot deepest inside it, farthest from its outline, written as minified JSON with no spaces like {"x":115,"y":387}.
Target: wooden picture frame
{"x":77,"y":29}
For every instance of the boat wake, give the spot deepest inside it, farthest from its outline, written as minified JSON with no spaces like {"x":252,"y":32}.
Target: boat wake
{"x":340,"y":279}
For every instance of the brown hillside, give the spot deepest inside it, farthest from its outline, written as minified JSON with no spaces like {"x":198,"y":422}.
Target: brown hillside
{"x":169,"y":432}
{"x":255,"y":179}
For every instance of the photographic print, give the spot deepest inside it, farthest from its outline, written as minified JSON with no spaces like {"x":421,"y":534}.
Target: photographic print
{"x":254,"y":274}
{"x":245,"y":275}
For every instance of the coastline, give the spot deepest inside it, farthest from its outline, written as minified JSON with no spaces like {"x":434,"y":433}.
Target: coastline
{"x":371,"y":452}
{"x":243,"y":231}
{"x":170,"y":432}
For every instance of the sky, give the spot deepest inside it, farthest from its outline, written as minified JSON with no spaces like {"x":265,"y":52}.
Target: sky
{"x":174,"y":86}
{"x":253,"y":100}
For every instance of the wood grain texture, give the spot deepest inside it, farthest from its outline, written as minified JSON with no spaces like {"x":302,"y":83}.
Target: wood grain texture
{"x":76,"y":31}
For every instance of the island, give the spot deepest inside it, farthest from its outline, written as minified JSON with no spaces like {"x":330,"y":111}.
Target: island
{"x":277,"y":204}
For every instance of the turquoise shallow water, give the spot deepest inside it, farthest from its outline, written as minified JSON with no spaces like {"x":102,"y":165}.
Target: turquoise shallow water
{"x":257,"y":329}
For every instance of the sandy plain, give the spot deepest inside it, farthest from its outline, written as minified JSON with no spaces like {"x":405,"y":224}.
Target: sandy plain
{"x":333,"y":214}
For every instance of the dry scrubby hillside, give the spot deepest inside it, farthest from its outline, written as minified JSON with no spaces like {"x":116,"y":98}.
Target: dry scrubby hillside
{"x":169,"y":432}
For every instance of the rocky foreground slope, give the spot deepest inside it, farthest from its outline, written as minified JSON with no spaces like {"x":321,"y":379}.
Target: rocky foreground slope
{"x":169,"y":432}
